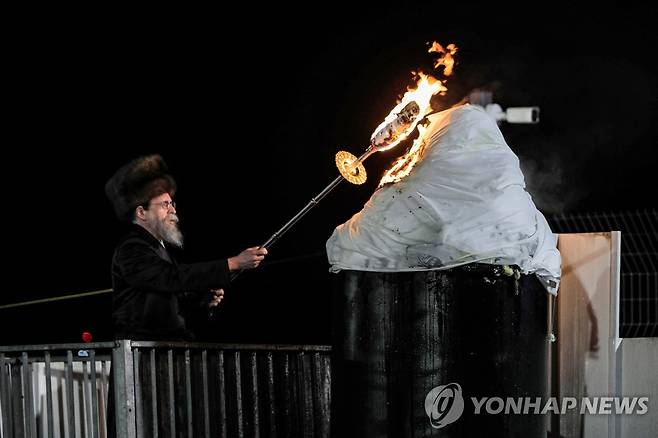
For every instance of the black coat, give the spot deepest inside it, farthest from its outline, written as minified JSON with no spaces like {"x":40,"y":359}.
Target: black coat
{"x":150,"y":288}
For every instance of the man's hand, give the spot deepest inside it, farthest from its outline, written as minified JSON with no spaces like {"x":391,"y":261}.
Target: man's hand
{"x":248,"y":259}
{"x":216,"y":298}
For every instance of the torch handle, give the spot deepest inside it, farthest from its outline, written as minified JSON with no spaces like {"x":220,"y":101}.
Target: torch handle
{"x":312,"y":203}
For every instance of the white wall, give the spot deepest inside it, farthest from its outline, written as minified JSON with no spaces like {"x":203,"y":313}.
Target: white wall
{"x":639,"y":377}
{"x":588,"y":328}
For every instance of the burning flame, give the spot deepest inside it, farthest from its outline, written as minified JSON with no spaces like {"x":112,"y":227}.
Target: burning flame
{"x":447,"y":60}
{"x":403,"y":165}
{"x":427,"y":86}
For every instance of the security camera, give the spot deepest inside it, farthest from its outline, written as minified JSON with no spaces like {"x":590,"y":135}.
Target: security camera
{"x":519,"y":114}
{"x":522,"y":114}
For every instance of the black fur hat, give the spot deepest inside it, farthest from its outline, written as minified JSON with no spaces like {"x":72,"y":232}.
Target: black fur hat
{"x":137,"y":182}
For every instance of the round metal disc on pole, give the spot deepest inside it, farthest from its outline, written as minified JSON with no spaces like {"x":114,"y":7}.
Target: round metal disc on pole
{"x":351,"y":168}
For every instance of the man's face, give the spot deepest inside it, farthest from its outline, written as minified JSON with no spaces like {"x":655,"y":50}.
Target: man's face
{"x":162,"y":219}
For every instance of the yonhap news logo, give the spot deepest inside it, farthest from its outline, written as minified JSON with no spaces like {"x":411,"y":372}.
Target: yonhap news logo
{"x":445,"y":404}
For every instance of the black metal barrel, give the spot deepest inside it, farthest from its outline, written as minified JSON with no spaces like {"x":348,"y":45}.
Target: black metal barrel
{"x":398,"y":336}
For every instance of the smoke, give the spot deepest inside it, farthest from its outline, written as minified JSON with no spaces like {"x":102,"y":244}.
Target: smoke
{"x":594,"y":136}
{"x":548,"y":184}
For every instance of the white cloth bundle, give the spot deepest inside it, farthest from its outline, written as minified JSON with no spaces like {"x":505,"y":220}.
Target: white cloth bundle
{"x":464,"y":202}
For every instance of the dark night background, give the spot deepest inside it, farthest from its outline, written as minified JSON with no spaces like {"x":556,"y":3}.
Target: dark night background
{"x":249,"y":120}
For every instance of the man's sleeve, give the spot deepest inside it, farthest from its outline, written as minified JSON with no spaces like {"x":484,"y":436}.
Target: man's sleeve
{"x":142,"y":268}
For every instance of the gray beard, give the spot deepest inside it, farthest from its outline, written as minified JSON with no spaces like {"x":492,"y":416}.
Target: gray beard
{"x":170,"y":233}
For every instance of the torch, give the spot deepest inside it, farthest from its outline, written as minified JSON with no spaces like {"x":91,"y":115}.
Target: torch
{"x":397,"y":126}
{"x":393,"y":130}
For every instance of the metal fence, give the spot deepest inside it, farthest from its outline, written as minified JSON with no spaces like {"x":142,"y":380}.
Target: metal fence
{"x":54,"y":390}
{"x":639,"y":262}
{"x":156,"y":389}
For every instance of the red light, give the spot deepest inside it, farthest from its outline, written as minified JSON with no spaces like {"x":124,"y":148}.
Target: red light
{"x":86,"y":337}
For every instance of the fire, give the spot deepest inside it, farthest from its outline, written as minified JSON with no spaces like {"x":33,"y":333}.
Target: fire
{"x":447,"y":60}
{"x":427,"y":86}
{"x":403,"y":165}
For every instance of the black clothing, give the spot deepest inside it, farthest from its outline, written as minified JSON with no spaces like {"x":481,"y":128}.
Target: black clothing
{"x":149,"y":287}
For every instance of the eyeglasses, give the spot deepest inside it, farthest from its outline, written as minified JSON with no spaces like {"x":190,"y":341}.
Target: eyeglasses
{"x":165,"y":205}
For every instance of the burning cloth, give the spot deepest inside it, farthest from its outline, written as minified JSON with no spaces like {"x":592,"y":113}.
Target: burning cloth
{"x":463,"y":202}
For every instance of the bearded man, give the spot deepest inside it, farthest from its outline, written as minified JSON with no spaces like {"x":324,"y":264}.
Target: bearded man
{"x":149,"y":285}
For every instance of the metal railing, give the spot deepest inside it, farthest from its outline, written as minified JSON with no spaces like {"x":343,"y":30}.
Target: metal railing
{"x":162,"y":390}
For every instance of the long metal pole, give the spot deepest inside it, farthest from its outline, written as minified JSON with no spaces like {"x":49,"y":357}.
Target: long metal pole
{"x":312,"y":203}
